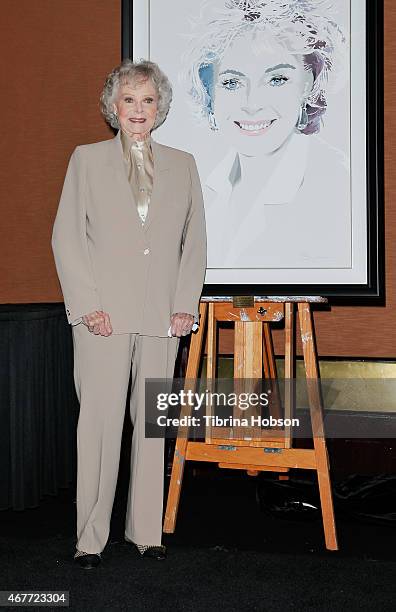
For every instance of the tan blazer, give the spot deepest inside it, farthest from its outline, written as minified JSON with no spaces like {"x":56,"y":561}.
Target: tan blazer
{"x":106,"y":260}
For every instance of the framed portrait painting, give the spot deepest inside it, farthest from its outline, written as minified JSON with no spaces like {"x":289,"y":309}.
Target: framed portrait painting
{"x":281,"y":104}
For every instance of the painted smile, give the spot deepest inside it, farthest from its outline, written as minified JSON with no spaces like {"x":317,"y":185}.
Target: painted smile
{"x":254,"y":128}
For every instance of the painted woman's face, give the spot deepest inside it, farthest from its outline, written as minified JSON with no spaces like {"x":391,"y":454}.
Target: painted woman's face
{"x":259,"y":87}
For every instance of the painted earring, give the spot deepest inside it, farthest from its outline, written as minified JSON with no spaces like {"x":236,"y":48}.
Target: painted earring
{"x":302,"y":117}
{"x":212,"y":122}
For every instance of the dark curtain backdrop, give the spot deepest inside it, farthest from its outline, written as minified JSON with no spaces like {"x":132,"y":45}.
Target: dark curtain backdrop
{"x":38,"y":405}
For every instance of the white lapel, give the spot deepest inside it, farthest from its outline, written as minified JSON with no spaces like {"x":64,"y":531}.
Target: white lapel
{"x":280,"y":190}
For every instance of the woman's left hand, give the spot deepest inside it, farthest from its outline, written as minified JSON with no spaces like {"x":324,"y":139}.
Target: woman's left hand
{"x":181,"y":324}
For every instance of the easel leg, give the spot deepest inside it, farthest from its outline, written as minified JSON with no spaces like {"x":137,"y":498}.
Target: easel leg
{"x":270,"y":373}
{"x":210,"y":365}
{"x":181,"y":442}
{"x":289,"y":369}
{"x":315,"y":403}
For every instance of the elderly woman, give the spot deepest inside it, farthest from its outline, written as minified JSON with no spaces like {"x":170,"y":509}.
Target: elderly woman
{"x":130,"y":250}
{"x":259,"y":74}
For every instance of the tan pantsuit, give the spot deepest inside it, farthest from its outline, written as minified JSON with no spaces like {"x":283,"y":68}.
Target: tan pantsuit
{"x":140,"y":274}
{"x":101,"y":370}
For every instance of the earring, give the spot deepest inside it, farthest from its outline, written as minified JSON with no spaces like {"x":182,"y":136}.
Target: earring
{"x":212,"y":122}
{"x":302,"y":117}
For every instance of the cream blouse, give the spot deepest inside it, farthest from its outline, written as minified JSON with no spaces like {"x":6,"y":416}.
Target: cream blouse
{"x":138,"y":157}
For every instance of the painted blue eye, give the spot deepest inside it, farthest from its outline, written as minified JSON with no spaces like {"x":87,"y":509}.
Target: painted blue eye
{"x":278,"y":81}
{"x":231,"y":84}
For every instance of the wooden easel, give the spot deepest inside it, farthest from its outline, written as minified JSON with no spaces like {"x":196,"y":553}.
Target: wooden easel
{"x":252,"y":352}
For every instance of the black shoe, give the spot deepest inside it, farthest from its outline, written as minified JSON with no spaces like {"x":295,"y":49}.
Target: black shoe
{"x":149,"y":552}
{"x":155,"y":552}
{"x":87,"y":560}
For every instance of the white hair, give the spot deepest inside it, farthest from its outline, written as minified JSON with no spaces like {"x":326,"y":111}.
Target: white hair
{"x":129,"y":72}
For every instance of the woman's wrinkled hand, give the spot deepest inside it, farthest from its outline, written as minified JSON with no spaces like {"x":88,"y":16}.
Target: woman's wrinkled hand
{"x":181,"y":324}
{"x":98,"y":322}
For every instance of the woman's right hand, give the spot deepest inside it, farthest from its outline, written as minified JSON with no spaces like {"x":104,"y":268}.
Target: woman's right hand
{"x":98,"y":322}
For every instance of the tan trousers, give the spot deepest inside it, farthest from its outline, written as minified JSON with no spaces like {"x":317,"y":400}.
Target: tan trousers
{"x":102,"y":367}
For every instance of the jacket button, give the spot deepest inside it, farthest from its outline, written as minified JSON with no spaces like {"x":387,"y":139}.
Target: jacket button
{"x":146,"y":251}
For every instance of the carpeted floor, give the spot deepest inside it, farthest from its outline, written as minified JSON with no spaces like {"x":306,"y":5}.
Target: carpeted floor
{"x":226,"y":554}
